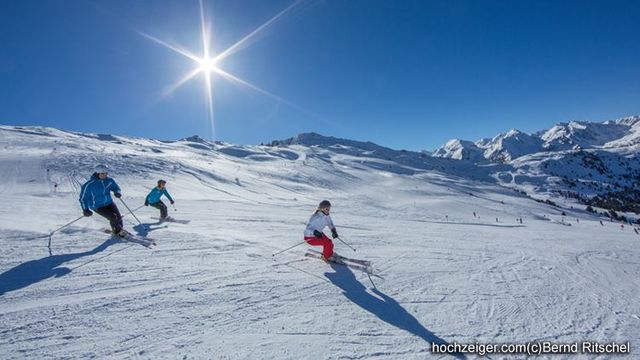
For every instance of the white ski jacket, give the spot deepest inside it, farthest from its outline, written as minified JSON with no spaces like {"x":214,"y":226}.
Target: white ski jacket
{"x":318,"y":221}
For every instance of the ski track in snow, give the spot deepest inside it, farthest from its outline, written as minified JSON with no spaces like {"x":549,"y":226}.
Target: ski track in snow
{"x":212,"y":289}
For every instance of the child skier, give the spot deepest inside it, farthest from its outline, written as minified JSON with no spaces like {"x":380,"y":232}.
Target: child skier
{"x":95,"y":195}
{"x":313,"y":234}
{"x":154,"y":196}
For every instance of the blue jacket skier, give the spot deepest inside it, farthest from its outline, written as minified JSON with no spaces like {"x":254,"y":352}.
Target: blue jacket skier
{"x":154,"y":196}
{"x":95,"y":195}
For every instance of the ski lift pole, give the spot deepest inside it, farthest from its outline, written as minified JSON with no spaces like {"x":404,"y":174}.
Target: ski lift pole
{"x":131,"y":212}
{"x":352,"y":248}
{"x":289,"y":248}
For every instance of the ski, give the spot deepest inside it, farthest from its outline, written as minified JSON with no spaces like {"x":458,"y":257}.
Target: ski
{"x":344,"y":258}
{"x":173,"y":220}
{"x":144,"y":241}
{"x":363,"y":268}
{"x":141,"y":240}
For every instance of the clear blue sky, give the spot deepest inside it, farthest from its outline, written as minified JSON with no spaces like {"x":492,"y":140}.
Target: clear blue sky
{"x":404,"y":74}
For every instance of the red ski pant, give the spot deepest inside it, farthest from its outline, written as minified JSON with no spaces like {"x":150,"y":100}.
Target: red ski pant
{"x":324,"y":241}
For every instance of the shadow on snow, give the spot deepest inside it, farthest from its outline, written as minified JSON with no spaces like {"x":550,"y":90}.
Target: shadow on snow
{"x":383,"y":306}
{"x":145,"y":229}
{"x":34,"y":271}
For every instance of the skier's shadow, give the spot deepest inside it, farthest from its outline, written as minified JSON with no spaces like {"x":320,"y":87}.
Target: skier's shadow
{"x":145,"y":229}
{"x":34,"y":271}
{"x":384,"y":306}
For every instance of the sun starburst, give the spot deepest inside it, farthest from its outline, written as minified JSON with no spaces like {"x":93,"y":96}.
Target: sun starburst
{"x":208,"y":65}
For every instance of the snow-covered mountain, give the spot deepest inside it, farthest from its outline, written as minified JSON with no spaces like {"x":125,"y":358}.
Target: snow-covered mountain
{"x":460,"y":150}
{"x":574,"y":135}
{"x":595,"y":163}
{"x":451,"y":260}
{"x":511,"y":145}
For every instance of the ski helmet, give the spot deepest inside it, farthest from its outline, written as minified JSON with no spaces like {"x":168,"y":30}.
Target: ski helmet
{"x":161,"y":182}
{"x":101,"y":169}
{"x":324,"y":204}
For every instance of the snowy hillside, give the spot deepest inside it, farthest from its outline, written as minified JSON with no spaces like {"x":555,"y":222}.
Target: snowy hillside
{"x":451,"y":262}
{"x":583,"y":162}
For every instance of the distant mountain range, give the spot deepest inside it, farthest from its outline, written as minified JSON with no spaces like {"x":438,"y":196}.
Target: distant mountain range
{"x":595,"y":164}
{"x":622,"y":134}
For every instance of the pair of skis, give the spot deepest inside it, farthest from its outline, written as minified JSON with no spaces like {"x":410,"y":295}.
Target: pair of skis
{"x":143,"y":240}
{"x":136,"y":239}
{"x":358,"y":264}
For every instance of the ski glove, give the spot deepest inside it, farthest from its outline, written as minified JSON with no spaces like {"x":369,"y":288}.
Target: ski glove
{"x":317,"y":234}
{"x":146,"y":203}
{"x":118,"y":195}
{"x":172,"y":202}
{"x":87,"y":212}
{"x":334,"y":233}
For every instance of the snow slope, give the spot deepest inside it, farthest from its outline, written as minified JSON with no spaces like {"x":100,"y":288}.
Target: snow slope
{"x":211,"y":288}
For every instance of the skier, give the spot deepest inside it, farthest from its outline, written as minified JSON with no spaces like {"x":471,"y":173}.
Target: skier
{"x":154,"y":196}
{"x":95,"y":195}
{"x":313,"y":234}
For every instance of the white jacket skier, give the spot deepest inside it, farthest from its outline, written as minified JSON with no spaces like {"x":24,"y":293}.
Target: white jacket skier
{"x":313,"y":234}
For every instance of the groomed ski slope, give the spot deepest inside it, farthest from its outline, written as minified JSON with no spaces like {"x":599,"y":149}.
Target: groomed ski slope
{"x":211,"y":289}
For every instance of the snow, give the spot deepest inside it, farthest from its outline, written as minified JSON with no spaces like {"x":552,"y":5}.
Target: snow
{"x":211,"y":289}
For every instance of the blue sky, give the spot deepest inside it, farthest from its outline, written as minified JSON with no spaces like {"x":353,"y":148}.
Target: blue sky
{"x":405,"y":74}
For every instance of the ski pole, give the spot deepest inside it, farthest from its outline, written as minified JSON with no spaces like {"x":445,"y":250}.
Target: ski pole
{"x":289,"y":248}
{"x":174,"y":207}
{"x":134,"y":215}
{"x":354,"y":249}
{"x":58,"y":229}
{"x":131,"y":212}
{"x":64,"y":226}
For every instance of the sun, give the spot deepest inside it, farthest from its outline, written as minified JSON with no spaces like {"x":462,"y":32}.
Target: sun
{"x":209,"y":67}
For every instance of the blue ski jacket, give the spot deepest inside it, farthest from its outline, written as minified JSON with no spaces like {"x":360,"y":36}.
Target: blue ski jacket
{"x":155,"y":195}
{"x":96,"y":193}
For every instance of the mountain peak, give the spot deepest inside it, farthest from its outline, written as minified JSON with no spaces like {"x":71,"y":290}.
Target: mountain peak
{"x":513,"y":132}
{"x":315,"y":139}
{"x":194,"y":138}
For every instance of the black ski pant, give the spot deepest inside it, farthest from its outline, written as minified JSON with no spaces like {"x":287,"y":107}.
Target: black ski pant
{"x":111,"y":213}
{"x":162,"y":207}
